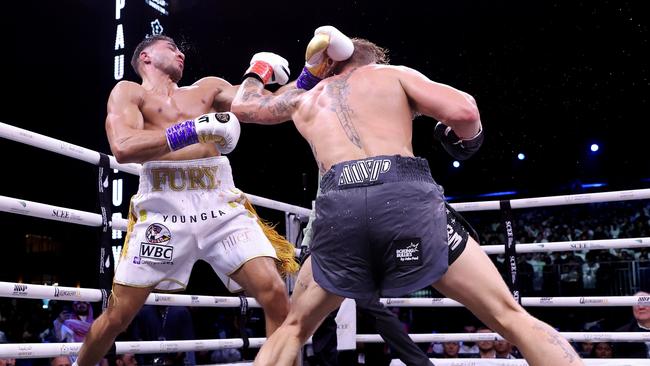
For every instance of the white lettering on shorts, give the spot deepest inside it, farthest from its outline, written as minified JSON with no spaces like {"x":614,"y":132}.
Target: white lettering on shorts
{"x":363,"y":171}
{"x":453,"y":238}
{"x":234,"y":239}
{"x":190,"y":219}
{"x":157,"y":252}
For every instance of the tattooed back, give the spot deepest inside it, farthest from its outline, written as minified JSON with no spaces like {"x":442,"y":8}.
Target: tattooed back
{"x":360,"y":113}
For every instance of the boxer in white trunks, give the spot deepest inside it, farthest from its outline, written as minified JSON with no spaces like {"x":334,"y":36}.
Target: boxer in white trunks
{"x":187,"y":207}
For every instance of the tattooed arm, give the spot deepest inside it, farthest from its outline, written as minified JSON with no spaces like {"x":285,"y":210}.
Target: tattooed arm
{"x":251,"y":104}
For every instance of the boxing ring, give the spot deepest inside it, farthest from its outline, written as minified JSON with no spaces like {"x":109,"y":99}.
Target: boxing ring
{"x":294,"y":215}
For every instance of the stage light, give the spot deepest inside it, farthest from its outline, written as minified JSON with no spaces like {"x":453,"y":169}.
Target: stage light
{"x":594,"y":147}
{"x":456,"y":164}
{"x":593,"y":185}
{"x":521,"y":156}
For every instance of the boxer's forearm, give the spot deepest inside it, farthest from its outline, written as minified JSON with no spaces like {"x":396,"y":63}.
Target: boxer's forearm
{"x":252,"y":105}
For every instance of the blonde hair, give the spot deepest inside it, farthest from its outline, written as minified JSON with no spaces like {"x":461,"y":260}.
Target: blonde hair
{"x":366,"y":52}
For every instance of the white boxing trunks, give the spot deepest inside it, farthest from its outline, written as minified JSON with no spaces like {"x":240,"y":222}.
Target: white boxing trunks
{"x":185,"y":211}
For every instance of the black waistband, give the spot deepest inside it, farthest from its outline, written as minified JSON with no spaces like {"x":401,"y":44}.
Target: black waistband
{"x":375,"y":170}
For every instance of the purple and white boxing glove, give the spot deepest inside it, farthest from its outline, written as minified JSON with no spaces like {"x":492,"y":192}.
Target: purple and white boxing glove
{"x":220,"y":128}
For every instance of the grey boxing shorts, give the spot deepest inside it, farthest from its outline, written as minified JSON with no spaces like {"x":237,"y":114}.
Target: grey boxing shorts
{"x":380,"y":228}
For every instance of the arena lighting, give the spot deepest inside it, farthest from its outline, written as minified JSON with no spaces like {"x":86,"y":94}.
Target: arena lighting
{"x":521,"y":156}
{"x":497,"y":194}
{"x":456,"y":164}
{"x":594,"y":147}
{"x":593,"y":185}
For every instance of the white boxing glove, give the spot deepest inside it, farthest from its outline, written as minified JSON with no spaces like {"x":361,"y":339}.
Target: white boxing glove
{"x":328,"y":44}
{"x":221,"y":128}
{"x":269,"y":68}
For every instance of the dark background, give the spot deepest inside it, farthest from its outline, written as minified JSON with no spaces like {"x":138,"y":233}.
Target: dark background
{"x":550,"y":79}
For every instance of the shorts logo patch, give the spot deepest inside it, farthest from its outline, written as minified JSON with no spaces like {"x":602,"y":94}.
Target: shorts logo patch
{"x":408,"y":252}
{"x":157,"y":249}
{"x":363,"y":171}
{"x":157,"y":233}
{"x":157,"y":252}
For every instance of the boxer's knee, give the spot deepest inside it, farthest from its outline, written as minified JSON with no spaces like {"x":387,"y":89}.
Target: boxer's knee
{"x":115,"y":321}
{"x":274,"y":298}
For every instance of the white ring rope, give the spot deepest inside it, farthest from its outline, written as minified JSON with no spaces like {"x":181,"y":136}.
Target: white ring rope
{"x":559,"y":246}
{"x":573,"y":301}
{"x":57,"y":213}
{"x":34,"y":350}
{"x":521,"y":362}
{"x":81,"y":153}
{"x":44,"y":142}
{"x":476,"y":337}
{"x":29,"y":291}
{"x":572,"y":199}
{"x":61,"y":147}
{"x":18,"y":290}
{"x":39,"y":350}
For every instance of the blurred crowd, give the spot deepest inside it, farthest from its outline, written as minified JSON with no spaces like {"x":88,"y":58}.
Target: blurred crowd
{"x":604,"y":272}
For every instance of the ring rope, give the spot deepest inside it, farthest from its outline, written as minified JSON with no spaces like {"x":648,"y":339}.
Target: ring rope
{"x":584,"y":301}
{"x":29,"y":291}
{"x":559,"y":246}
{"x":477,"y":337}
{"x":521,"y":362}
{"x":45,"y":211}
{"x":18,"y":206}
{"x":81,"y":153}
{"x":572,"y":199}
{"x":33,"y":350}
{"x":56,"y":213}
{"x":44,"y":142}
{"x":39,"y":350}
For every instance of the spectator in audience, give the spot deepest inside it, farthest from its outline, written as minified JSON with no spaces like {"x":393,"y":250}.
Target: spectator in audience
{"x":127,"y":359}
{"x":584,"y":349}
{"x":640,"y":323}
{"x":60,"y":311}
{"x":468,"y":348}
{"x":602,"y":350}
{"x":485,"y":348}
{"x":77,"y":324}
{"x":450,"y":350}
{"x":6,"y":361}
{"x":60,"y":361}
{"x":227,"y":326}
{"x":503,"y":349}
{"x":160,"y":323}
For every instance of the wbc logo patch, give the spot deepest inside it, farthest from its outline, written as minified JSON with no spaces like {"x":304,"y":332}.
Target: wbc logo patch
{"x":157,"y":248}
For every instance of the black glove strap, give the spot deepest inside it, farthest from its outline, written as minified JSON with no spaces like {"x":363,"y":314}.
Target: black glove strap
{"x":457,"y":148}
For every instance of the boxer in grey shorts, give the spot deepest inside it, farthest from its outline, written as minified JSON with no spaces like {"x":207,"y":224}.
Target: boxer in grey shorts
{"x":380,"y":225}
{"x":380,"y":228}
